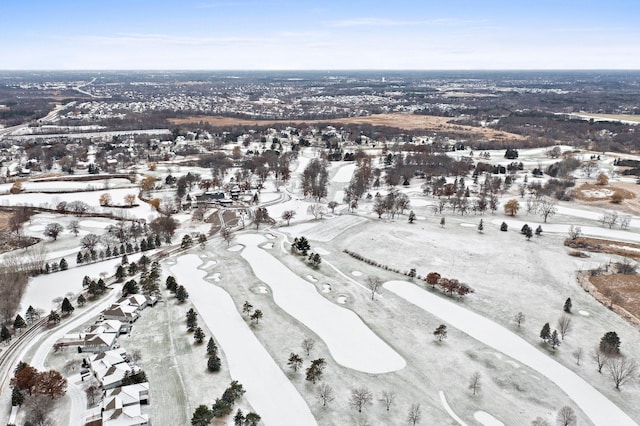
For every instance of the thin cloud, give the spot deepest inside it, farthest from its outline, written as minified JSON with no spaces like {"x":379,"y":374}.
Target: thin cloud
{"x":165,"y":39}
{"x":384,"y":22}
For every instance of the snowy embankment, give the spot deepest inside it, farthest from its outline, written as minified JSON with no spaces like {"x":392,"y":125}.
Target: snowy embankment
{"x":596,"y":406}
{"x":268,"y":389}
{"x":557,"y":228}
{"x":344,"y":174}
{"x":351,"y":343}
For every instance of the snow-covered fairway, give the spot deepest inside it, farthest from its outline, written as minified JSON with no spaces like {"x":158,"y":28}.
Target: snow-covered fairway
{"x":348,"y":338}
{"x":596,"y":406}
{"x":268,"y":390}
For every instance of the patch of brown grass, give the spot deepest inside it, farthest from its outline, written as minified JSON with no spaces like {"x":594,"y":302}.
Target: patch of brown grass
{"x":621,"y":290}
{"x":4,"y":220}
{"x":598,"y":245}
{"x":401,"y":121}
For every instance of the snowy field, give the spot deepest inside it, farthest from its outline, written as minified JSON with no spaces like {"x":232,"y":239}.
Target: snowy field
{"x":64,"y":186}
{"x":268,"y":390}
{"x":349,"y":340}
{"x":599,"y":409}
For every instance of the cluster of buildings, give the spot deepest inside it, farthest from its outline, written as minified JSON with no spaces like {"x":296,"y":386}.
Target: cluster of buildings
{"x":111,"y":366}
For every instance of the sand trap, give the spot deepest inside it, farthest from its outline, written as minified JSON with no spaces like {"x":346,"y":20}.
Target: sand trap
{"x":584,"y":313}
{"x":326,"y":288}
{"x":209,"y":264}
{"x":320,"y":251}
{"x":267,"y":246}
{"x":270,"y":236}
{"x":356,"y":273}
{"x":415,"y":202}
{"x":216,"y":276}
{"x":261,"y":289}
{"x":312,"y":279}
{"x":236,"y":247}
{"x":342,"y":299}
{"x":486,"y":419}
{"x":468,"y":225}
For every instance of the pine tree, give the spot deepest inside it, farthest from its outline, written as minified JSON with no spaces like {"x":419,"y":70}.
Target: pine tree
{"x":213,"y":363}
{"x":171,"y":284}
{"x":545,"y":333}
{"x":31,"y":314}
{"x":198,"y":335}
{"x":79,"y":258}
{"x":314,"y":372}
{"x":120,"y":273}
{"x":81,"y":300}
{"x":63,"y":264}
{"x":295,"y":362}
{"x":19,"y":323}
{"x":17,"y":398}
{"x":212,"y":348}
{"x":568,"y":305}
{"x":442,"y":222}
{"x":66,"y":307}
{"x":5,"y":334}
{"x":54,"y":317}
{"x":192,"y":319}
{"x":412,"y":216}
{"x":554,"y":340}
{"x":610,"y":343}
{"x":181,"y":294}
{"x":238,"y":419}
{"x":440,"y":332}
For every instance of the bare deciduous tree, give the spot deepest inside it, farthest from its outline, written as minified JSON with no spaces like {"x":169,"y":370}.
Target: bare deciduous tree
{"x":316,"y":210}
{"x":547,"y":208}
{"x":539,"y":421}
{"x":621,"y":370}
{"x":360,"y":398}
{"x":326,"y":395}
{"x":577,"y":354}
{"x":373,"y":284}
{"x":474,"y":383}
{"x":599,"y":357}
{"x":227,"y":234}
{"x":566,"y":416}
{"x":307,"y":345}
{"x":388,"y":399}
{"x":414,"y":416}
{"x":519,"y":319}
{"x":564,"y":325}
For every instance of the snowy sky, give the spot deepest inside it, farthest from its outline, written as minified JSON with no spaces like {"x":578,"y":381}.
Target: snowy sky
{"x":287,"y":34}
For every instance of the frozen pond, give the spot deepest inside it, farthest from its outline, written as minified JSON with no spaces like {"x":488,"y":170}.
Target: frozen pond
{"x":349,"y":340}
{"x":596,"y":406}
{"x":248,"y":360}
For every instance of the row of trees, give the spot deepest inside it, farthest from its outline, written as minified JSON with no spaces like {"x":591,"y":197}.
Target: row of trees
{"x":223,"y":406}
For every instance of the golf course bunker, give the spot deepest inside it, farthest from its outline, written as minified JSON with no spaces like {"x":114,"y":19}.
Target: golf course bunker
{"x":326,"y":288}
{"x":236,"y":247}
{"x":267,"y":246}
{"x":341,"y":299}
{"x":248,"y":360}
{"x":356,"y":273}
{"x":584,"y":313}
{"x":596,"y":406}
{"x":351,"y":343}
{"x":486,"y":419}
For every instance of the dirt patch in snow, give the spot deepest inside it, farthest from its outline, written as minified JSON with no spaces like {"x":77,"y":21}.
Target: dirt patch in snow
{"x":591,"y":192}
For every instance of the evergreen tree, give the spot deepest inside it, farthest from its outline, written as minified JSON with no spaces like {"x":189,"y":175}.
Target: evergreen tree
{"x":130,"y":287}
{"x":31,"y":314}
{"x":545,"y":333}
{"x":63,"y":264}
{"x":539,"y":230}
{"x":132,"y":269}
{"x":171,"y":284}
{"x":86,"y":258}
{"x":181,"y":294}
{"x":440,"y":332}
{"x":202,"y":416}
{"x":212,"y":348}
{"x":442,"y":222}
{"x":256,"y":316}
{"x":81,"y":300}
{"x":5,"y":334}
{"x":481,"y":226}
{"x":252,"y":419}
{"x":567,"y":305}
{"x":187,"y":242}
{"x":79,"y":258}
{"x":17,"y":398}
{"x":54,"y":317}
{"x":120,"y":273}
{"x":115,"y":251}
{"x":19,"y":323}
{"x":125,"y":259}
{"x":66,"y":307}
{"x":554,"y":340}
{"x":294,"y":362}
{"x":238,"y":419}
{"x":213,"y":364}
{"x":108,"y":252}
{"x":314,"y":372}
{"x":198,"y":335}
{"x":610,"y":343}
{"x":192,"y":319}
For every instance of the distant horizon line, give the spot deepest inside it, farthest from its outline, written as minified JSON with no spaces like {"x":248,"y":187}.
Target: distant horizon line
{"x":324,"y":70}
